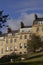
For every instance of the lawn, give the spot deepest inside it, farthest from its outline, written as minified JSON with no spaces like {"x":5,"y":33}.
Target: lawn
{"x":23,"y":63}
{"x":32,"y":59}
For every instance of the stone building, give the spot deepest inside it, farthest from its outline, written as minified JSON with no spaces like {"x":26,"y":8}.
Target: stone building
{"x":16,"y":41}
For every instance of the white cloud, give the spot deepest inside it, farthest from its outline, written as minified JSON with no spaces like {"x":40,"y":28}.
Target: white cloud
{"x":26,"y":18}
{"x":12,"y":24}
{"x":28,"y":9}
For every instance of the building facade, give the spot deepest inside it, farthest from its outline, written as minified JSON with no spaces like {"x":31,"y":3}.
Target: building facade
{"x":16,"y":41}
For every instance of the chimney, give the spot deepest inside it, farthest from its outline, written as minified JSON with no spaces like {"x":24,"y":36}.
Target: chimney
{"x":35,"y":16}
{"x":21,"y":24}
{"x":9,"y":30}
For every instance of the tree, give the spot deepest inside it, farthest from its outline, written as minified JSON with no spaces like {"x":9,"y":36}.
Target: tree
{"x":34,"y":44}
{"x":3,"y":19}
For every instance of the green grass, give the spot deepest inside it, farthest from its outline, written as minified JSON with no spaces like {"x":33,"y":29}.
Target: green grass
{"x":24,"y":63}
{"x":31,"y":59}
{"x":36,"y":59}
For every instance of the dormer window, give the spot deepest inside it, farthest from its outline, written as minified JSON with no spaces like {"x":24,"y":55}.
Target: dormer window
{"x":10,"y":34}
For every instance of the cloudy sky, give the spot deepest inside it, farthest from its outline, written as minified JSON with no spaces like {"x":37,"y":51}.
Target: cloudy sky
{"x":21,"y":10}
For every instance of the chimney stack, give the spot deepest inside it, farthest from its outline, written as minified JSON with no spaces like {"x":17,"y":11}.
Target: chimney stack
{"x":35,"y":16}
{"x":9,"y":29}
{"x":21,"y":24}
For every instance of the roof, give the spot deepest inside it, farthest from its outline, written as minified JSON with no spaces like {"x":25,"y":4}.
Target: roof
{"x":39,"y":19}
{"x":12,"y":32}
{"x":15,"y":31}
{"x":27,"y":26}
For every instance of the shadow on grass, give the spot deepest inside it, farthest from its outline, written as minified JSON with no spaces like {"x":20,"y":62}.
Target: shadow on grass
{"x":34,"y":56}
{"x":24,"y":63}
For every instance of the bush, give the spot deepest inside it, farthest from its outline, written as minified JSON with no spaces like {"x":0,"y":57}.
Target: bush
{"x":7,"y":58}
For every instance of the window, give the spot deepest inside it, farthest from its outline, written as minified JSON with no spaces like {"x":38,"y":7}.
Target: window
{"x":37,"y":29}
{"x":20,"y":45}
{"x":7,"y":48}
{"x":2,"y":44}
{"x":15,"y":49}
{"x":14,"y":40}
{"x":20,"y":52}
{"x":25,"y":52}
{"x":25,"y":36}
{"x":11,"y":40}
{"x":2,"y":50}
{"x":11,"y":48}
{"x":25,"y":45}
{"x":42,"y":28}
{"x":29,"y":31}
{"x":10,"y":34}
{"x":6,"y":40}
{"x":22,"y":30}
{"x":30,"y":36}
{"x":20,"y":36}
{"x":42,"y":38}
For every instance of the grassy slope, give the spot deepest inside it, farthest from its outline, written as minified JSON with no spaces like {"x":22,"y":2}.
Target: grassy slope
{"x":32,"y":59}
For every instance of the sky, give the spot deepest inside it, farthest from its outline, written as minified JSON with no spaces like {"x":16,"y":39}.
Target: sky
{"x":21,"y":10}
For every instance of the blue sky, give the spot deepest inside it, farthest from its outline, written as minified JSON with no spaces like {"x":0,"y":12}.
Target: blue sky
{"x":21,"y":10}
{"x":15,"y":7}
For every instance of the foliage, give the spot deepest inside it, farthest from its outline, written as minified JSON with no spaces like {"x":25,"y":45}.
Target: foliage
{"x":3,"y":20}
{"x":34,"y":44}
{"x":7,"y":58}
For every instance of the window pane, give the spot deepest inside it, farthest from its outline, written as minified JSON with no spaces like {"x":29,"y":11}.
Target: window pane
{"x":20,"y":52}
{"x":7,"y":48}
{"x":11,"y":40}
{"x":25,"y":45}
{"x":25,"y":36}
{"x":15,"y":49}
{"x":20,"y":36}
{"x":42,"y":28}
{"x":11,"y":48}
{"x":20,"y":45}
{"x":37,"y":29}
{"x":6,"y":40}
{"x":42,"y":38}
{"x":14,"y":40}
{"x":2,"y":50}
